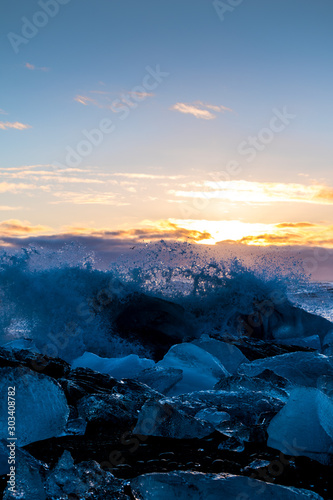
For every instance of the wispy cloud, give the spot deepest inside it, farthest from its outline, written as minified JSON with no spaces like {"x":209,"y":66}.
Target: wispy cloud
{"x":258,"y":192}
{"x":9,"y":187}
{"x":85,"y":100}
{"x":91,"y":198}
{"x":15,"y":125}
{"x":141,"y":95}
{"x":3,"y":112}
{"x":285,"y":225}
{"x":14,"y":227}
{"x":7,"y":208}
{"x":32,"y":67}
{"x":129,"y":175}
{"x":317,"y":235}
{"x":200,"y":109}
{"x":110,"y":100}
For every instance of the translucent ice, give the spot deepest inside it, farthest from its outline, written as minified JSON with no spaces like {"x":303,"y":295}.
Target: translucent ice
{"x":212,"y":416}
{"x":160,"y":379}
{"x":229,"y":355}
{"x":266,"y":383}
{"x":161,"y":419}
{"x":27,"y":482}
{"x":198,"y":486}
{"x":85,"y":480}
{"x":201,"y":370}
{"x":26,"y":344}
{"x":245,"y":405}
{"x":127,"y":367}
{"x":250,"y":411}
{"x":41,"y":406}
{"x":304,"y":426}
{"x":300,"y":368}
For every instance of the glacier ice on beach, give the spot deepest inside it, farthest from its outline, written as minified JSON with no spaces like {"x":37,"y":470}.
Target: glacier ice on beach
{"x":267,"y":382}
{"x":85,"y":480}
{"x":300,"y":368}
{"x":41,"y":406}
{"x":28,"y":479}
{"x":198,"y":486}
{"x":127,"y":367}
{"x":158,"y":418}
{"x":201,"y":370}
{"x":244,"y":405}
{"x":213,"y":417}
{"x":228,"y":354}
{"x":304,"y":426}
{"x":26,"y":344}
{"x":160,"y":379}
{"x":249,"y":412}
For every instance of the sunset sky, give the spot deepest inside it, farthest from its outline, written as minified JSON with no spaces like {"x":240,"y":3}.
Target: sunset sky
{"x":179,"y":119}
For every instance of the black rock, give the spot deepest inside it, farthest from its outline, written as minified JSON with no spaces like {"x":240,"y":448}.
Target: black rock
{"x":269,"y":318}
{"x":257,"y":349}
{"x":83,"y":381}
{"x":53,"y":367}
{"x":155,"y":323}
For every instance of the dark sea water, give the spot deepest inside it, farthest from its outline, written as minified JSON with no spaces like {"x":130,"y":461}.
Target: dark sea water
{"x":315,"y":297}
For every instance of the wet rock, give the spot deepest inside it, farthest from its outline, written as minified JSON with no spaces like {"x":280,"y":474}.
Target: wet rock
{"x":154,"y":322}
{"x":112,"y":409}
{"x":83,"y":381}
{"x":27,"y":359}
{"x":283,"y":321}
{"x":137,"y":392}
{"x":257,"y":349}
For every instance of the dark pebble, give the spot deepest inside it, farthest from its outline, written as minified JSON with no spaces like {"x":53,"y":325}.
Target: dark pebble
{"x":167,"y":454}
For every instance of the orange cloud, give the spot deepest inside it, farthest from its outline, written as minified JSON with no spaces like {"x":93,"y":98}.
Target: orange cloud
{"x":142,"y":95}
{"x":325,"y":194}
{"x":15,"y":125}
{"x":296,"y":224}
{"x":149,"y":231}
{"x":32,"y":67}
{"x":14,"y":227}
{"x":303,"y":234}
{"x":13,"y":231}
{"x":85,"y":100}
{"x":199,"y":109}
{"x":103,"y":99}
{"x":257,"y":192}
{"x":190,"y":109}
{"x":6,"y":187}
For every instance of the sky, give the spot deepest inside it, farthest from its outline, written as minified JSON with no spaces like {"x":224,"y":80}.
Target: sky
{"x":196,"y":120}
